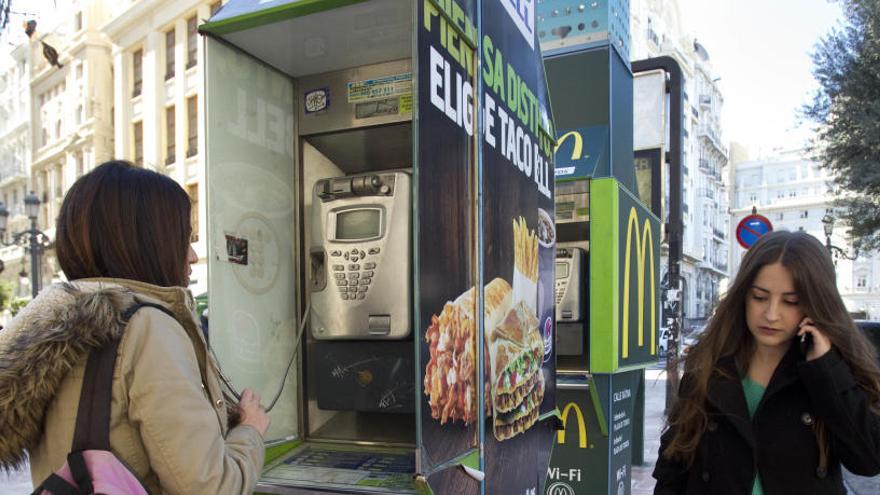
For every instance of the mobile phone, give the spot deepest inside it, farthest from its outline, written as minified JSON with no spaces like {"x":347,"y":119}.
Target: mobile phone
{"x":806,"y":342}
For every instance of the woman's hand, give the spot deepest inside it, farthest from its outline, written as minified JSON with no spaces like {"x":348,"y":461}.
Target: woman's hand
{"x":252,"y":413}
{"x":821,"y":343}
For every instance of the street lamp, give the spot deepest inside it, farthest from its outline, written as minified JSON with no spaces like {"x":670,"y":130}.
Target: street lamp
{"x":828,"y":226}
{"x":32,"y":240}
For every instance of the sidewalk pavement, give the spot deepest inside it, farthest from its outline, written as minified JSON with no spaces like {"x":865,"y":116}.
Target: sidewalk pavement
{"x":655,"y":402}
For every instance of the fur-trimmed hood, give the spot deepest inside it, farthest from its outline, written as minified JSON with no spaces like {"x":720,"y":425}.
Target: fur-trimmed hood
{"x":41,"y":345}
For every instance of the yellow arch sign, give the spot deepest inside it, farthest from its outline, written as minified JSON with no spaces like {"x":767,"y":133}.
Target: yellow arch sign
{"x":644,"y":249}
{"x":578,"y":151}
{"x":582,"y":427}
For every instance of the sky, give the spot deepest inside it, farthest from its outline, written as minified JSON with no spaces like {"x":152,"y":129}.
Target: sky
{"x":759,"y":48}
{"x":761,"y":51}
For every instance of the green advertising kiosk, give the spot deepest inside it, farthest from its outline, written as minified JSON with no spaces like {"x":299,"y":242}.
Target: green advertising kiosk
{"x":608,"y":257}
{"x":382,"y":208}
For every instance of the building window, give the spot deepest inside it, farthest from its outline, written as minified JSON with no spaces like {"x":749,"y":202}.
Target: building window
{"x":169,"y":54}
{"x":78,"y":21}
{"x":753,"y":197}
{"x":169,"y":135}
{"x":191,"y":42}
{"x":57,"y":128}
{"x":780,"y":216}
{"x":79,"y":71}
{"x":805,"y":213}
{"x":139,"y":144}
{"x":59,"y":182}
{"x":79,"y":164}
{"x":137,"y":60}
{"x":192,"y":126}
{"x":861,"y":282}
{"x":193,"y":190}
{"x":215,"y":7}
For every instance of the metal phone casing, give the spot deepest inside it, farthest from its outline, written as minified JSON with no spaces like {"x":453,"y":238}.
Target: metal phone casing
{"x":367,"y":283}
{"x":570,"y":295}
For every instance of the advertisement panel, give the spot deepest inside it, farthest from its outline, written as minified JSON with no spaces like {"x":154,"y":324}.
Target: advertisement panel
{"x":446,"y":242}
{"x":594,"y":452}
{"x":519,"y":250}
{"x":624,"y":277}
{"x":640,"y":281}
{"x":518,"y":246}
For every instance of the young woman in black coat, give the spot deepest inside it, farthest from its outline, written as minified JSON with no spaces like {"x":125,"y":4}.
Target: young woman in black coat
{"x":780,"y":390}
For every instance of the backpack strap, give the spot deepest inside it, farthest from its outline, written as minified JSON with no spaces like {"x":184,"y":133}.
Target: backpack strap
{"x":93,"y":416}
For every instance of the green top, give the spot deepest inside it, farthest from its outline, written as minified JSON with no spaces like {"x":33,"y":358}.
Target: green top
{"x":754,"y":392}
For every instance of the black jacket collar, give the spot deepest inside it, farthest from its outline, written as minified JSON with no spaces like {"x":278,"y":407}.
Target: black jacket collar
{"x":726,"y":394}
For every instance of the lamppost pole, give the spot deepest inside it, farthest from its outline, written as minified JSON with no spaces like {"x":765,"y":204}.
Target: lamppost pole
{"x":32,"y":240}
{"x":834,"y":251}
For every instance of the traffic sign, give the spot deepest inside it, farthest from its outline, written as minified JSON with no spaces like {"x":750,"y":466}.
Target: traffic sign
{"x":752,"y":228}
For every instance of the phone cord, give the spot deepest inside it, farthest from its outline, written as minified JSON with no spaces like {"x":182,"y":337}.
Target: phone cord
{"x":231,"y":388}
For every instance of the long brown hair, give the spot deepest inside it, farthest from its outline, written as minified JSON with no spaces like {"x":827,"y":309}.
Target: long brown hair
{"x":727,"y":334}
{"x":123,"y":221}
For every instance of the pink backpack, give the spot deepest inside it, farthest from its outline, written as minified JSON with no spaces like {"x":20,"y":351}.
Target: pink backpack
{"x":91,"y":467}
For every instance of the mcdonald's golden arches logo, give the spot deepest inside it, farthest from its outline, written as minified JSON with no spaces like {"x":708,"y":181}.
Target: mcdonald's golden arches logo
{"x":582,"y":426}
{"x":644,"y":246}
{"x":578,"y":150}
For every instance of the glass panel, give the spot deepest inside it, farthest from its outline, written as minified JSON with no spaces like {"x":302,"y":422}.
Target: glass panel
{"x":251,"y":226}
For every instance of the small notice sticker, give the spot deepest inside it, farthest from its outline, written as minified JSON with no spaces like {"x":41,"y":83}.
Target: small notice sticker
{"x":406,"y":104}
{"x":383,"y":87}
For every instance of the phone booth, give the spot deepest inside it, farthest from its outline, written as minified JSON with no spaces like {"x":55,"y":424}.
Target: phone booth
{"x":382,"y":208}
{"x":608,"y":256}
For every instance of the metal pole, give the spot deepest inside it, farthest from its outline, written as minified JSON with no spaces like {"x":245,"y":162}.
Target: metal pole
{"x":675,"y":226}
{"x":35,"y":259}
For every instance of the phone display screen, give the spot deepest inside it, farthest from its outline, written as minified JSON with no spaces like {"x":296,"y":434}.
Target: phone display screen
{"x":561,"y":270}
{"x":358,"y":224}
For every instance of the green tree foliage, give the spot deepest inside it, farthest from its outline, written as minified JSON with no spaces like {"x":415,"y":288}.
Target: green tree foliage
{"x":846,"y":64}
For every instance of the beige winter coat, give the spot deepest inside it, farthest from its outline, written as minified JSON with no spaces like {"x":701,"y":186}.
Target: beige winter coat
{"x":167,"y":423}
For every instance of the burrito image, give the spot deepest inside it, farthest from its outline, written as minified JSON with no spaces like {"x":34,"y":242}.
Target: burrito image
{"x":450,"y":375}
{"x":516,"y":351}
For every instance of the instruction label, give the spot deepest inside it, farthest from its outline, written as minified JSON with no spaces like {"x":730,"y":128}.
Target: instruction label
{"x":383,"y":87}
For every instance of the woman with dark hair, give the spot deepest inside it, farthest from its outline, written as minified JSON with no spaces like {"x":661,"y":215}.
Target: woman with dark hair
{"x":123,"y":240}
{"x":781,"y":388}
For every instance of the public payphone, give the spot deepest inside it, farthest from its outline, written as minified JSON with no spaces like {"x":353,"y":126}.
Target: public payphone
{"x":345,"y":193}
{"x":361,"y":268}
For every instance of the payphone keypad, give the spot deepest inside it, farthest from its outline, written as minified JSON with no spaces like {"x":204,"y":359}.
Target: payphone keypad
{"x":353,"y":273}
{"x":561,"y":285}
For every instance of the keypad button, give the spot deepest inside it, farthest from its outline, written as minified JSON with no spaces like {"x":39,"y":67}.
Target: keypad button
{"x":345,"y":256}
{"x":338,"y":268}
{"x":355,"y":258}
{"x":342,"y":283}
{"x":374,"y":250}
{"x":354,"y":276}
{"x":368,"y":274}
{"x":354,"y":251}
{"x":369,"y":266}
{"x":361,"y":288}
{"x":363,"y":254}
{"x":361,"y":295}
{"x":354,"y":267}
{"x":339,"y":276}
{"x":336,"y":253}
{"x":345,"y":296}
{"x":365,"y":281}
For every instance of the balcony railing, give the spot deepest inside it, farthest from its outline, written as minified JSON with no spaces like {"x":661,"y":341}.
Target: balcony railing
{"x":710,"y":134}
{"x":705,"y":100}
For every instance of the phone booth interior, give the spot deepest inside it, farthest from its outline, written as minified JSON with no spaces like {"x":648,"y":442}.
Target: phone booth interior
{"x":310,"y":158}
{"x":359,"y":220}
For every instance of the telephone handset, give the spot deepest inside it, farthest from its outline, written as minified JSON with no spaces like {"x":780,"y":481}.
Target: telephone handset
{"x":805,"y":343}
